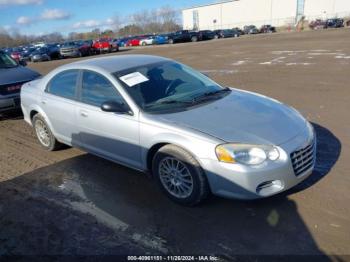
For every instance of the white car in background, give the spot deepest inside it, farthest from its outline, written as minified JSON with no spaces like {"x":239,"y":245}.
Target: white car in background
{"x":147,"y":41}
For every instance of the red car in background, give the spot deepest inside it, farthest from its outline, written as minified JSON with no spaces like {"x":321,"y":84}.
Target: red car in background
{"x":16,"y":56}
{"x":133,"y":42}
{"x":136,"y":40}
{"x":105,"y":45}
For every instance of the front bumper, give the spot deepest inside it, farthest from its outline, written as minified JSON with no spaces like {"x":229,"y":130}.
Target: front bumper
{"x":270,"y":178}
{"x":9,"y":102}
{"x":70,"y":54}
{"x":103,"y":49}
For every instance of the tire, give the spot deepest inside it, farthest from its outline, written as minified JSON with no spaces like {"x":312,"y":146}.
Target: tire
{"x":52,"y":144}
{"x":194,"y":39}
{"x":191,"y":180}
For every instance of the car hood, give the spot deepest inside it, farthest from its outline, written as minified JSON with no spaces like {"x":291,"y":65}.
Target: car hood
{"x":241,"y":117}
{"x":16,"y":74}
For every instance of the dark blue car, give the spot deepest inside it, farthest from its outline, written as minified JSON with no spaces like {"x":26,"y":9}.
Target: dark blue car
{"x":12,"y":77}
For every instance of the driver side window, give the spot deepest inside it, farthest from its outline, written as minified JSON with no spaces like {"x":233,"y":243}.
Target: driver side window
{"x":96,"y":89}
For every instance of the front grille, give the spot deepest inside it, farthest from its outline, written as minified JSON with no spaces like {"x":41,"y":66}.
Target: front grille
{"x":303,"y":159}
{"x":10,"y":89}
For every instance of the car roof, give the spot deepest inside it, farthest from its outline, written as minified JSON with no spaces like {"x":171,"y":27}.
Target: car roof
{"x":118,"y":62}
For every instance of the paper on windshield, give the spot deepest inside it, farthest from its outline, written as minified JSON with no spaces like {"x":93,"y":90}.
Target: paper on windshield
{"x":133,"y":79}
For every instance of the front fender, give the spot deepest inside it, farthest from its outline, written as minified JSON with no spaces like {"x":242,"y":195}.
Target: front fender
{"x":199,"y":149}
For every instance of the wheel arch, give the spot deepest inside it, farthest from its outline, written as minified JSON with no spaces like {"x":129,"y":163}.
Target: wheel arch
{"x":152,"y":152}
{"x":37,"y":110}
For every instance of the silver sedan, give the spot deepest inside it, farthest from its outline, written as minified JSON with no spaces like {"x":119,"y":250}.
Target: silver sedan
{"x":159,"y":116}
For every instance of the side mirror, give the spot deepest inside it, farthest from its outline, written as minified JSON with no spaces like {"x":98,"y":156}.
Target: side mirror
{"x":115,"y":107}
{"x":22,"y":63}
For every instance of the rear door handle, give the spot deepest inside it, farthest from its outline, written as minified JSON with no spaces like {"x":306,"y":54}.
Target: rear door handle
{"x":83,"y":113}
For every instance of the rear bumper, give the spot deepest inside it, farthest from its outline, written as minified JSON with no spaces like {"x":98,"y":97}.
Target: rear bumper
{"x":9,"y":102}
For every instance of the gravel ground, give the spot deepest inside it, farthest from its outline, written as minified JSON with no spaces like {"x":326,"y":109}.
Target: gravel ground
{"x":72,"y":203}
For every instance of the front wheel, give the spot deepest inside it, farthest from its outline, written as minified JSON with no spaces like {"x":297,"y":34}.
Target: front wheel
{"x":44,"y":134}
{"x":180,"y":176}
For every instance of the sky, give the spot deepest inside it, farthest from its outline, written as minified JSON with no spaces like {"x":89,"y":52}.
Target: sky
{"x":46,"y":16}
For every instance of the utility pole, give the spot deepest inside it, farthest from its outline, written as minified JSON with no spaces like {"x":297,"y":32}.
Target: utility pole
{"x":271,"y":7}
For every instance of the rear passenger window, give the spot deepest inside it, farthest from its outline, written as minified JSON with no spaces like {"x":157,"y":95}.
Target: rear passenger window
{"x":64,"y":84}
{"x":96,"y":89}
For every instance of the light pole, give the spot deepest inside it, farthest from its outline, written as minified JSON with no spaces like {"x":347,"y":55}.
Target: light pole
{"x":221,"y":15}
{"x":222,"y":2}
{"x":271,"y":7}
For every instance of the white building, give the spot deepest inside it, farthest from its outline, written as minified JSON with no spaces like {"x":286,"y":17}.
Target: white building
{"x":237,"y":13}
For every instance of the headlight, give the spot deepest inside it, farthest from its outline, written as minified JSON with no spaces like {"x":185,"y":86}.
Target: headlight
{"x":246,"y":154}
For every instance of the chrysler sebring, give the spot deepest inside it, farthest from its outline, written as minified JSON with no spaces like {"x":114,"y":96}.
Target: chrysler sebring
{"x":159,"y":116}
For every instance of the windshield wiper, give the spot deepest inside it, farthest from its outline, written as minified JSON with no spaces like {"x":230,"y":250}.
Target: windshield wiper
{"x":168,"y":102}
{"x":210,"y":94}
{"x":173,"y":101}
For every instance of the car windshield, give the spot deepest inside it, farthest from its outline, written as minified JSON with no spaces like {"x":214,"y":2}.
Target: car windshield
{"x":168,"y":86}
{"x":6,"y":61}
{"x":68,"y":44}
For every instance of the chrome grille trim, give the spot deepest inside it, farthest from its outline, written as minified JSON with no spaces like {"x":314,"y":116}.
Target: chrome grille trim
{"x":303,"y":159}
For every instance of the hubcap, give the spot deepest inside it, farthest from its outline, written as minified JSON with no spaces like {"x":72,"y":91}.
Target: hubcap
{"x":42,"y":132}
{"x":175,"y":177}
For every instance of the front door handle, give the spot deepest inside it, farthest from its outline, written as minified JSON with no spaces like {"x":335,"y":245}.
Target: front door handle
{"x":83,"y":113}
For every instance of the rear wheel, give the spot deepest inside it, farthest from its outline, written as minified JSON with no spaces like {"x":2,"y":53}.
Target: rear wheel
{"x":44,"y":134}
{"x":171,"y":41}
{"x":194,"y":39}
{"x":180,"y":176}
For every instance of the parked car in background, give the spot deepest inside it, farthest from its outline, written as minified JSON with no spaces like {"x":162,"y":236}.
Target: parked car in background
{"x":225,"y":33}
{"x":40,"y":54}
{"x":105,"y":45}
{"x":16,"y":55}
{"x":193,"y":135}
{"x":136,"y":41}
{"x":122,"y":41}
{"x":334,"y":23}
{"x":250,"y":30}
{"x":53,"y":51}
{"x":116,"y":43}
{"x":206,"y":35}
{"x":12,"y":76}
{"x":240,"y":31}
{"x":267,"y":29}
{"x":317,"y":24}
{"x":85,"y":47}
{"x":27,"y":51}
{"x":70,"y":49}
{"x":147,"y":40}
{"x":160,"y":39}
{"x":39,"y":44}
{"x":183,"y":36}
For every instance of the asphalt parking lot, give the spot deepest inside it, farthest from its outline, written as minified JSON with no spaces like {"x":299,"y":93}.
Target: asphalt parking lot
{"x":70,"y":202}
